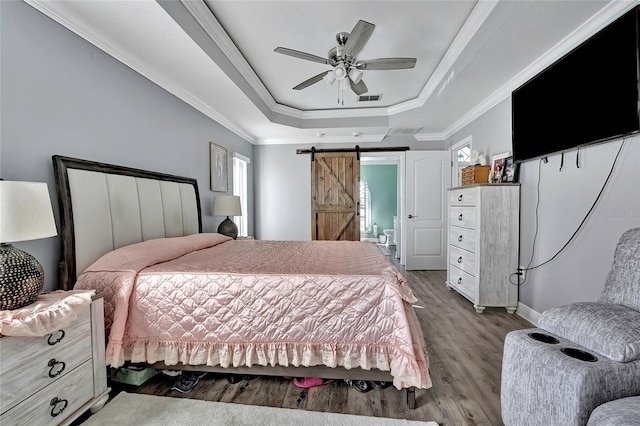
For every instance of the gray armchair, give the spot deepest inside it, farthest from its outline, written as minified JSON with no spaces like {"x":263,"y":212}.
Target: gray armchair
{"x":581,"y":356}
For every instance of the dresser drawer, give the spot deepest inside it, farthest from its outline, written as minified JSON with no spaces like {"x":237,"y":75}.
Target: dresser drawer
{"x":462,"y":282}
{"x":464,"y":238}
{"x":30,"y":363}
{"x":52,"y":404}
{"x":462,"y":259}
{"x":463,"y":216}
{"x":463,"y":197}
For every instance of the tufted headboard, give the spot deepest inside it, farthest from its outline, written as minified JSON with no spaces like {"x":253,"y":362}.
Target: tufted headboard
{"x":104,"y":207}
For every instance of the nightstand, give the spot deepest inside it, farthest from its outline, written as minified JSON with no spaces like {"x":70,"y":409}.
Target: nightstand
{"x":55,"y":378}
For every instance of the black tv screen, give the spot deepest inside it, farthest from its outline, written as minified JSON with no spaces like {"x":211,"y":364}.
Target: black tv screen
{"x":590,"y":95}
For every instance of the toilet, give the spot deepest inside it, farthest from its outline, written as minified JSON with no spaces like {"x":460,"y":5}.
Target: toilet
{"x":390,"y":233}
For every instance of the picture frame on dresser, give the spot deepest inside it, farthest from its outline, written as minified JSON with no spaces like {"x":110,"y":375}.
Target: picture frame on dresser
{"x":511,"y":170}
{"x":497,"y":166}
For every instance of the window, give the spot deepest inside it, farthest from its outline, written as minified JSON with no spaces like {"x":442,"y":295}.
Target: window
{"x":240,"y":179}
{"x":460,"y":158}
{"x":365,"y":207}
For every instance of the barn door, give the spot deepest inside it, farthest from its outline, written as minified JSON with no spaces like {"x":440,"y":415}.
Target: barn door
{"x":335,"y":196}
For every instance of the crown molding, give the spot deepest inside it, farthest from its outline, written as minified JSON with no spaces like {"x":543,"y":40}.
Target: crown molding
{"x":606,"y":15}
{"x":52,"y":10}
{"x":430,"y":137}
{"x":203,"y":15}
{"x":310,"y":140}
{"x":480,"y":13}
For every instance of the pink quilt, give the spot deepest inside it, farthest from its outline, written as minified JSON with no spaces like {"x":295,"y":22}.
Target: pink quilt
{"x":208,"y":300}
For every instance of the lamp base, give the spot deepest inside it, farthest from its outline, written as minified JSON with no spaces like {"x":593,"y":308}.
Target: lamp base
{"x":21,"y":278}
{"x":228,"y":228}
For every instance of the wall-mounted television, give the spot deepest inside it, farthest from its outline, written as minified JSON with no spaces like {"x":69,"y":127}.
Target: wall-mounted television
{"x":590,"y":95}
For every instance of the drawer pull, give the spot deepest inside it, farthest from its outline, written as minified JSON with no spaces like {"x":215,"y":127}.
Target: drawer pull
{"x":58,"y":405}
{"x":459,"y":238}
{"x":460,"y":259}
{"x":460,"y":197}
{"x":59,"y":336}
{"x":53,"y":363}
{"x":460,"y":216}
{"x":460,"y":281}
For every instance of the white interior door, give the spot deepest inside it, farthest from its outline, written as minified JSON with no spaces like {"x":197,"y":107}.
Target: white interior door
{"x":428,"y":175}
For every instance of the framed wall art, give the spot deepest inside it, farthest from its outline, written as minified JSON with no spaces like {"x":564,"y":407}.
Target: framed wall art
{"x":218,"y":164}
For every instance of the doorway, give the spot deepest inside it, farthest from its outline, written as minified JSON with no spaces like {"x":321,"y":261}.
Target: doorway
{"x":381,"y":198}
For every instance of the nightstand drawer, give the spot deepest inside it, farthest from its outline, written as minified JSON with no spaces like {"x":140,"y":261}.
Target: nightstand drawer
{"x":30,"y":363}
{"x":463,"y":216}
{"x":55,"y":402}
{"x":14,"y":351}
{"x":462,"y":259}
{"x":463,"y":237}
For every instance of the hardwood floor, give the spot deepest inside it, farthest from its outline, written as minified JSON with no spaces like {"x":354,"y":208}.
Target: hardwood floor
{"x":465,"y":355}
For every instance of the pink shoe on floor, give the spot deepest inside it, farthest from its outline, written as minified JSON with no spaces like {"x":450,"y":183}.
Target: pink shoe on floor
{"x":309,"y":382}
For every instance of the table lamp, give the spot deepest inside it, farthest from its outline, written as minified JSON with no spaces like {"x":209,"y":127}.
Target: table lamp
{"x":25,"y":214}
{"x":227,"y":205}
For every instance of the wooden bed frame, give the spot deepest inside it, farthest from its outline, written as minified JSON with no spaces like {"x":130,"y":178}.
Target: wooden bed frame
{"x":104,"y":207}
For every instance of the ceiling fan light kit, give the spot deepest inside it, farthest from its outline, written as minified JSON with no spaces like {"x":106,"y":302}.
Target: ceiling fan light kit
{"x":355,"y":75}
{"x":330,"y":78}
{"x":340,"y":71}
{"x":342,"y":59}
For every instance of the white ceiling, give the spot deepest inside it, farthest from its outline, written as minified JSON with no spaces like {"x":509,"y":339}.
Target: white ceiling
{"x":219,"y":57}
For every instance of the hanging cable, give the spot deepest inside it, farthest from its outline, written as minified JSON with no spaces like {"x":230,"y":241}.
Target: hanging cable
{"x":529,"y":267}
{"x":535,"y":227}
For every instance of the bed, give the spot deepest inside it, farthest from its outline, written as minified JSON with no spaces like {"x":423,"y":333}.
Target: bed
{"x":178,"y":298}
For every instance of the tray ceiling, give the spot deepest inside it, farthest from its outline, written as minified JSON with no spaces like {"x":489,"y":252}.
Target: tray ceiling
{"x":219,"y":57}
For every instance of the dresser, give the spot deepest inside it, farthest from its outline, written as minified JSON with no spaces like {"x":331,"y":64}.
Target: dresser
{"x":54,"y":379}
{"x":484,"y":244}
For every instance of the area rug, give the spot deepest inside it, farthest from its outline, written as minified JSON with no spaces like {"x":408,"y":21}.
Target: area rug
{"x":149,"y":410}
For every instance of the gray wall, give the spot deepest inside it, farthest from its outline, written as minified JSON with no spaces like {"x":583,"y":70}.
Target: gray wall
{"x":283,"y":193}
{"x":61,"y":95}
{"x":579,"y":272}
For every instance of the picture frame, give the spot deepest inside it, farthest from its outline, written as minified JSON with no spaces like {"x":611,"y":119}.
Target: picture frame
{"x":497,"y":166}
{"x":218,"y":166}
{"x":511,"y":170}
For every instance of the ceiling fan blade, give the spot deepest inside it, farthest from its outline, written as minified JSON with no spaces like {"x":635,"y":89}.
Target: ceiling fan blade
{"x":302,"y":55}
{"x":359,"y":88}
{"x":358,"y":38}
{"x":312,"y":80}
{"x":386,"y":64}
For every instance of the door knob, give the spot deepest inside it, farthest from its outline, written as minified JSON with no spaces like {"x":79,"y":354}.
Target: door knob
{"x":411,"y":216}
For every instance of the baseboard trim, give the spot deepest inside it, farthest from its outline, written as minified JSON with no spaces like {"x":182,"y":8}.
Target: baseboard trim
{"x":527,"y":313}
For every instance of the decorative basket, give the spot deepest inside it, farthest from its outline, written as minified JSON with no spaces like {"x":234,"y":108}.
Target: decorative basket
{"x":475,"y":174}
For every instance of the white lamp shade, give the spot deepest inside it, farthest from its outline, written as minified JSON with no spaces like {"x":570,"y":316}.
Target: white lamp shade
{"x":329,"y":78}
{"x":355,"y":75}
{"x":227,"y":205}
{"x":25,"y":211}
{"x":340,"y":72}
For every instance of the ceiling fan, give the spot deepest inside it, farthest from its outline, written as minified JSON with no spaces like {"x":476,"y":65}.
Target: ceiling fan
{"x":343,"y":60}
